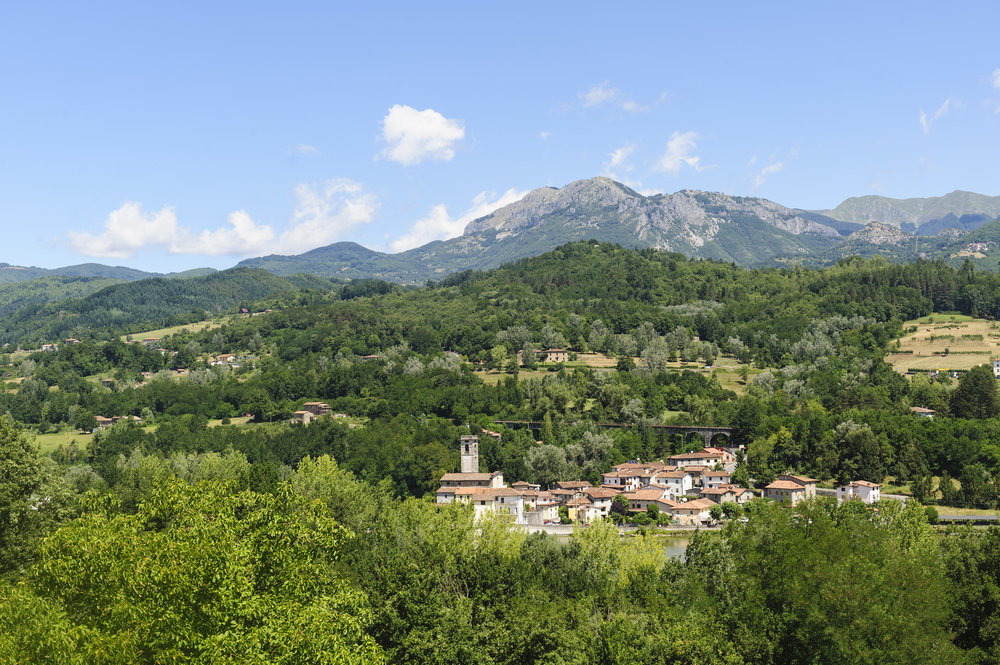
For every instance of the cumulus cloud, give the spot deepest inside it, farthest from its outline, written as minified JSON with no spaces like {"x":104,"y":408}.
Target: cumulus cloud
{"x":439,"y":225}
{"x":303,"y":149}
{"x":322,"y":214}
{"x":545,"y":135}
{"x":413,"y":136}
{"x":597,"y":95}
{"x":679,"y":152}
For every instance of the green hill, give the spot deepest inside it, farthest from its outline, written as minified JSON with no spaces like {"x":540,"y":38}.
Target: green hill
{"x":11,"y":273}
{"x":132,"y":306}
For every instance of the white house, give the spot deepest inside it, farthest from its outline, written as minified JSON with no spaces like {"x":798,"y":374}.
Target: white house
{"x":600,"y":499}
{"x":693,"y":512}
{"x":640,"y":499}
{"x":719,"y":494}
{"x":715,"y":479}
{"x":678,"y":483}
{"x":862,"y":490}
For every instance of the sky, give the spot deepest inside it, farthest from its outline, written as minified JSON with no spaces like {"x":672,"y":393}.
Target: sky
{"x":170,"y":136}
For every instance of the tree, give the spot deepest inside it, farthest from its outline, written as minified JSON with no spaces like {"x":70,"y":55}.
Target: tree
{"x":625,"y":364}
{"x":716,"y":512}
{"x":204,"y":574}
{"x":653,"y":512}
{"x":619,"y":505}
{"x":731,"y":509}
{"x":20,"y":475}
{"x":546,"y":464}
{"x":976,"y":395}
{"x":86,"y":421}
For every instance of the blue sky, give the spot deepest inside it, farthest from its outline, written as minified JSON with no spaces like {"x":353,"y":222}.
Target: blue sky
{"x":168,"y":136}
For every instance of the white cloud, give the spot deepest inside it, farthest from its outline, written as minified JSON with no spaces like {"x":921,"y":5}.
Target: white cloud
{"x":650,"y":192}
{"x":619,"y":157}
{"x":878,"y":186}
{"x":632,"y":107}
{"x":439,"y":225}
{"x":324,"y":213}
{"x":618,"y":167}
{"x":303,"y":149}
{"x":766,"y":172}
{"x":679,"y":152}
{"x":414,"y":136}
{"x":545,"y":135}
{"x":926,"y":122}
{"x":598,"y":94}
{"x":753,"y":160}
{"x":321,"y":216}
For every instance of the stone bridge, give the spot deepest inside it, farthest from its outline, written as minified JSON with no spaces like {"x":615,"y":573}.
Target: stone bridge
{"x":706,"y":433}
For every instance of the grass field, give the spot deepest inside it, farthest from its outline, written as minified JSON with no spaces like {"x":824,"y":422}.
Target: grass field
{"x":191,"y":327}
{"x":936,"y":333}
{"x":48,"y":443}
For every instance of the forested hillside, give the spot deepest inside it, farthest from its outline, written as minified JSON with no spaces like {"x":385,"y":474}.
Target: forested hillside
{"x":139,"y":305}
{"x":411,"y":370}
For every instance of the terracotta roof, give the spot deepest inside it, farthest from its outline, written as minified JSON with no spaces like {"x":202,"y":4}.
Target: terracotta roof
{"x":914,"y":409}
{"x":582,"y":501}
{"x":717,"y":474}
{"x":865,"y":483}
{"x":467,"y":491}
{"x":785,"y":485}
{"x":700,"y":455}
{"x":719,"y":490}
{"x":645,"y":495}
{"x":801,"y":480}
{"x":494,"y":492}
{"x":675,"y":474}
{"x":600,"y":492}
{"x":697,"y":504}
{"x":467,"y":476}
{"x":572,"y":484}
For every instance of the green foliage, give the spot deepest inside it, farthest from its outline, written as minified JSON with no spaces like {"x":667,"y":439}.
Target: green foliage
{"x":976,"y":395}
{"x":20,"y":476}
{"x":171,"y":581}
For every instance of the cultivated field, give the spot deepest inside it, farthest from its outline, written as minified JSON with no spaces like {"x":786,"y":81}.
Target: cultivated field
{"x":190,"y":327}
{"x":969,"y":342}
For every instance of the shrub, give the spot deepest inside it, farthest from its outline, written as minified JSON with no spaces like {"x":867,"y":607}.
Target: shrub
{"x":932,"y":514}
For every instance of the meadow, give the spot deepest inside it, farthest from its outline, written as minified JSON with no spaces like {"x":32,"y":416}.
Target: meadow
{"x":946,"y":342}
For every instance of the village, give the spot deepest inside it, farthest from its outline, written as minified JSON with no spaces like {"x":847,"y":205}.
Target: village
{"x":681,"y":491}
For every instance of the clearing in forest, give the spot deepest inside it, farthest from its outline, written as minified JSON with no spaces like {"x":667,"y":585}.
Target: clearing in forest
{"x":945,"y":341}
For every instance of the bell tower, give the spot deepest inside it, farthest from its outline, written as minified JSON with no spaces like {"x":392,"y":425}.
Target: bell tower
{"x":469,"y":447}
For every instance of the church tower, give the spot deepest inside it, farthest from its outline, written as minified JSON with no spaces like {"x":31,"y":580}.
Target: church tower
{"x":469,"y":447}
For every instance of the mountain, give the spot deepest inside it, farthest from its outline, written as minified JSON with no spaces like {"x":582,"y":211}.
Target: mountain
{"x":744,"y":230}
{"x":960,"y":210}
{"x":11,"y":273}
